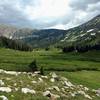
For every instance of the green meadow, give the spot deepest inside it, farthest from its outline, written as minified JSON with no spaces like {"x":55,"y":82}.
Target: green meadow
{"x":81,"y":68}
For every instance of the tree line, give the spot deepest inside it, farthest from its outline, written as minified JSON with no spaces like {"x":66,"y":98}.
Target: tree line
{"x":81,"y":48}
{"x":14,"y":44}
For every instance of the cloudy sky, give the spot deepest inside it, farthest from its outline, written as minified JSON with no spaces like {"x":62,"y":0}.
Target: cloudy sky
{"x":44,"y":14}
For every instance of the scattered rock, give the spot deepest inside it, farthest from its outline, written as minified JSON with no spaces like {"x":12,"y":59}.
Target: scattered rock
{"x":3,"y":97}
{"x":73,"y":94}
{"x":1,"y":71}
{"x":5,"y":89}
{"x":16,"y":89}
{"x":81,"y":92}
{"x":50,"y":95}
{"x":80,"y":86}
{"x":27,"y":90}
{"x":40,"y":80}
{"x":46,"y":77}
{"x":8,"y":79}
{"x":59,"y":85}
{"x":12,"y":72}
{"x":52,"y":80}
{"x":47,"y":93}
{"x":1,"y":82}
{"x":86,"y":89}
{"x":34,"y":82}
{"x":54,"y":75}
{"x":29,"y":73}
{"x":64,"y":79}
{"x":54,"y":96}
{"x":33,"y":75}
{"x":24,"y":72}
{"x":15,"y":84}
{"x":66,"y":87}
{"x":97,"y":92}
{"x":50,"y":88}
{"x":56,"y":88}
{"x":87,"y":96}
{"x":67,"y":83}
{"x":63,"y":90}
{"x":37,"y":72}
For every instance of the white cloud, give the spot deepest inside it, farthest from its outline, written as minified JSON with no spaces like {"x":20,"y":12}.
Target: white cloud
{"x":59,"y":26}
{"x":47,"y":9}
{"x":61,"y":14}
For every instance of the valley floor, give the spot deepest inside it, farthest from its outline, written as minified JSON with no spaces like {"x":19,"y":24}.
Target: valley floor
{"x":79,"y":68}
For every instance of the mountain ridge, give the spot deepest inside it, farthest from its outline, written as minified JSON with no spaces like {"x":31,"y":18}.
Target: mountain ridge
{"x":86,"y":33}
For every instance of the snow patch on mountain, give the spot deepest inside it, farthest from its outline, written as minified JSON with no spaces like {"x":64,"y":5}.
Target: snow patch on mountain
{"x":90,"y":30}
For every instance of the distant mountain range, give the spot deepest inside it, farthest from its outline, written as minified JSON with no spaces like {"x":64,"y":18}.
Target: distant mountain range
{"x":39,"y":38}
{"x":87,"y":33}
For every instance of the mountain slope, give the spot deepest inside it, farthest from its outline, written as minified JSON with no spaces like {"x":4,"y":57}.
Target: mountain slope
{"x":7,"y":30}
{"x":39,"y":38}
{"x":87,"y":33}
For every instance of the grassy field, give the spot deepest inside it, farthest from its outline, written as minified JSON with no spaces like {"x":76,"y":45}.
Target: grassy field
{"x":88,"y":78}
{"x":69,"y":64}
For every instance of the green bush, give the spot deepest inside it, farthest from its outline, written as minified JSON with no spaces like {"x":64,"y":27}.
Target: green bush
{"x":41,"y":71}
{"x":33,"y":66}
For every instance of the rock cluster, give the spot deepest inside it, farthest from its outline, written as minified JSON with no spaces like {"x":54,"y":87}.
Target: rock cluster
{"x":51,"y":86}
